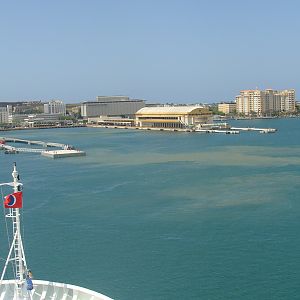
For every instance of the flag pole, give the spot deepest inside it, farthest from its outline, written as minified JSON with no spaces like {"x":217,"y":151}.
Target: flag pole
{"x":16,"y":253}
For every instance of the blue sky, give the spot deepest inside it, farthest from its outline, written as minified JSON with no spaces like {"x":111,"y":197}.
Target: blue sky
{"x":167,"y":51}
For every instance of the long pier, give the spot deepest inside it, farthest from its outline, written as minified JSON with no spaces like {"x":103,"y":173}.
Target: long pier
{"x":28,"y":142}
{"x":227,"y":131}
{"x":12,"y":149}
{"x":61,"y":150}
{"x":261,"y":130}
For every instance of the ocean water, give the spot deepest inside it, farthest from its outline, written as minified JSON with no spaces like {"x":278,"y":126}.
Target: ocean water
{"x":156,"y":215}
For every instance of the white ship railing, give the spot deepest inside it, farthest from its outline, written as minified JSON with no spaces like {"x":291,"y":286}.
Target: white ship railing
{"x":46,"y":290}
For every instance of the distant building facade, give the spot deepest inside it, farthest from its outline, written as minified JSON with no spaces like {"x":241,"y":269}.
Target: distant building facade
{"x":111,"y":121}
{"x":265,"y":102}
{"x":172,"y":116}
{"x":288,"y":100}
{"x":111,"y":106}
{"x":26,"y":119}
{"x":227,"y":108}
{"x":4,"y":113}
{"x":249,"y":101}
{"x":55,"y":107}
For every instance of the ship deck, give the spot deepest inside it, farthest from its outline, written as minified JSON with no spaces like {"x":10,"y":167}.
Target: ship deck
{"x":44,"y":290}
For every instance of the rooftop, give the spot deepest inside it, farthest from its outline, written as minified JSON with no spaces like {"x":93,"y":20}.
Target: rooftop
{"x":168,"y":110}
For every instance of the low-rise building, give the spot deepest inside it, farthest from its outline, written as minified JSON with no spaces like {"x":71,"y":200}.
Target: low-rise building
{"x":227,"y":108}
{"x":172,"y":116}
{"x":111,"y":106}
{"x":33,"y":120}
{"x":111,"y":121}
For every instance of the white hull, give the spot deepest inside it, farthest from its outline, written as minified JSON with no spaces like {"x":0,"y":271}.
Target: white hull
{"x":46,"y":290}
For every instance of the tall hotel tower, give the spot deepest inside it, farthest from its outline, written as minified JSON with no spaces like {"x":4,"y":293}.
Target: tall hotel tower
{"x":265,"y":102}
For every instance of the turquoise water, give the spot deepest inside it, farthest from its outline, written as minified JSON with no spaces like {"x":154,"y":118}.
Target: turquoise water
{"x":155,"y":215}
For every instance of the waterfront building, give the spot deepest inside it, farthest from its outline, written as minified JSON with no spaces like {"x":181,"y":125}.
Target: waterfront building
{"x":227,"y":108}
{"x":33,"y":120}
{"x":111,"y":121}
{"x":111,"y":106}
{"x":172,"y":116}
{"x":288,"y":100}
{"x":270,"y":100}
{"x":265,"y":102}
{"x":55,"y":107}
{"x":248,"y":102}
{"x":42,"y":119}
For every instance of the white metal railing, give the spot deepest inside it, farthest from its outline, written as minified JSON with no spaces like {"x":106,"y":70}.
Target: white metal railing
{"x":49,"y":290}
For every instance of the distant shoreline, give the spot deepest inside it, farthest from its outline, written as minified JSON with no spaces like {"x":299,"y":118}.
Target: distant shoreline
{"x":135,"y":127}
{"x":42,"y":127}
{"x":255,"y":118}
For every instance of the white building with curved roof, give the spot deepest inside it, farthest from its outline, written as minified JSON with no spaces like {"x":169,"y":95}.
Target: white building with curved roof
{"x":172,"y":116}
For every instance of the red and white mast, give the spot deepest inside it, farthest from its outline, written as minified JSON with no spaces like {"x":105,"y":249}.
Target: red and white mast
{"x":16,"y":253}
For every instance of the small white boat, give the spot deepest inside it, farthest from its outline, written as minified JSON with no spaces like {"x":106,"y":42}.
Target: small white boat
{"x":23,"y":286}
